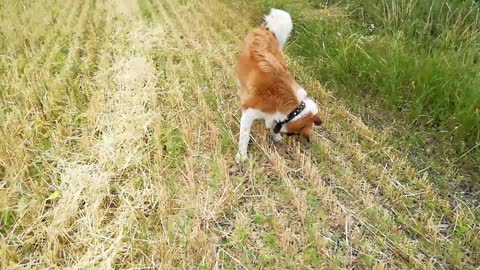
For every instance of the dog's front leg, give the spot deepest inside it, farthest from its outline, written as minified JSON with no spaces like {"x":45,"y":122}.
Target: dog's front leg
{"x":248,"y":116}
{"x":270,"y":124}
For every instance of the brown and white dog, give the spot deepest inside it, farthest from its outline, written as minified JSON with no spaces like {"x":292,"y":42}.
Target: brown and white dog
{"x":266,"y":89}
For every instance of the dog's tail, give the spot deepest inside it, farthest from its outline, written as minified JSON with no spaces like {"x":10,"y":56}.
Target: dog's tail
{"x":280,"y":23}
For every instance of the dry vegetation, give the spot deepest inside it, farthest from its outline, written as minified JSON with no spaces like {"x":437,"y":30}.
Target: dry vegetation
{"x":118,"y":126}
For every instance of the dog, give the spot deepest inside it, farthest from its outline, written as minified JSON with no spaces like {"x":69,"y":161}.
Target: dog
{"x":266,"y":88}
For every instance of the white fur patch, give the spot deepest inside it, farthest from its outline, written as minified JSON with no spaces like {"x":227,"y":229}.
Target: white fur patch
{"x":301,"y":94}
{"x":310,"y":107}
{"x":280,"y":23}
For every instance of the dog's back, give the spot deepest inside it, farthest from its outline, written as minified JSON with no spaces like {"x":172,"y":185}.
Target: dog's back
{"x":261,"y":62}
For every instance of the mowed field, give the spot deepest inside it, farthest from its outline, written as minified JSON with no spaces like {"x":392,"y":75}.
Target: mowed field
{"x":118,"y":130}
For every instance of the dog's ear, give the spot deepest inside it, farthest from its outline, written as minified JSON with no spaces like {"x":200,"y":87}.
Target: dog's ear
{"x":316,"y":120}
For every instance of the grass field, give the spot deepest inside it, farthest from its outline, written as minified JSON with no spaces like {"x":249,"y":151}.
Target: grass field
{"x":118,"y":130}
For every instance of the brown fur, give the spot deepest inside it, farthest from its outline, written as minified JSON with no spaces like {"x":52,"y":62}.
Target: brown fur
{"x":266,"y":84}
{"x":304,"y":126}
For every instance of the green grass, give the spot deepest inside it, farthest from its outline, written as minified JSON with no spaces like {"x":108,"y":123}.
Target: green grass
{"x":420,"y":58}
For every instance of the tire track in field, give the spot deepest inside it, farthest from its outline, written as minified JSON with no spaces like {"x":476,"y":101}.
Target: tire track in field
{"x":116,"y":109}
{"x":110,"y":161}
{"x":121,"y":111}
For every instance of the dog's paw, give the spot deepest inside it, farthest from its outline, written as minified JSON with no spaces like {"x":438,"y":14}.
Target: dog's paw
{"x":241,"y":158}
{"x":276,"y":138}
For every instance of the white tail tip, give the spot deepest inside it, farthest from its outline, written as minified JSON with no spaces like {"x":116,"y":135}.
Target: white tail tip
{"x":280,"y":23}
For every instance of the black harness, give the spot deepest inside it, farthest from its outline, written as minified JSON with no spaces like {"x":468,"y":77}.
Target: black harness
{"x":290,"y":116}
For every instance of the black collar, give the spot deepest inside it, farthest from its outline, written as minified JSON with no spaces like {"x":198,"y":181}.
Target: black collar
{"x":290,"y":116}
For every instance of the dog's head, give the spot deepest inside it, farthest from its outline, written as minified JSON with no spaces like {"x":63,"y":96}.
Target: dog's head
{"x":305,"y":122}
{"x":303,"y":126}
